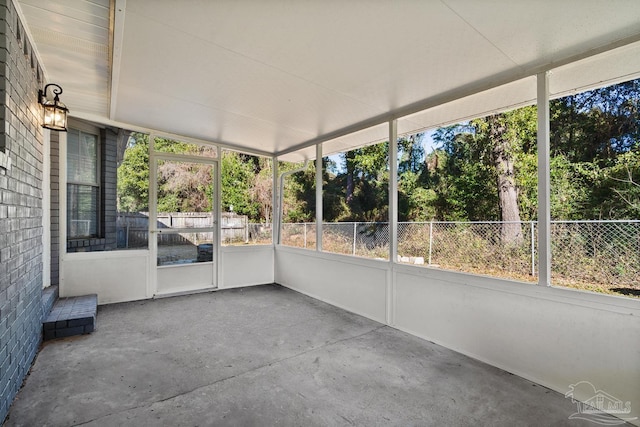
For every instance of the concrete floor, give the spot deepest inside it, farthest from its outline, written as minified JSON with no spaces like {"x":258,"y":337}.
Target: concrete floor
{"x":267,"y":356}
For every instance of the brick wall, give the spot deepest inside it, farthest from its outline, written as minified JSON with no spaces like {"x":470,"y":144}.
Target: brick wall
{"x":20,"y":206}
{"x":108,"y":189}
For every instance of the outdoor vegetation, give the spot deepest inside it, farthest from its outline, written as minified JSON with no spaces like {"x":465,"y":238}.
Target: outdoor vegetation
{"x":483,"y":170}
{"x":486,"y":169}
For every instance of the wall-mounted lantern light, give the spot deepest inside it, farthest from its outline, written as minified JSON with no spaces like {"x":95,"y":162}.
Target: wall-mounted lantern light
{"x":54,"y":112}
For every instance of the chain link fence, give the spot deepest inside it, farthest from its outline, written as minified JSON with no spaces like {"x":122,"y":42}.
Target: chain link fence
{"x":259,"y":234}
{"x":299,"y":235}
{"x":589,"y":252}
{"x":606,"y":252}
{"x":366,"y":239}
{"x":474,"y":247}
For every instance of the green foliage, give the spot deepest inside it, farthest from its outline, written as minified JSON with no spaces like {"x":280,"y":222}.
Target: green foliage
{"x":466,"y":189}
{"x":597,"y":125}
{"x":133,"y":175}
{"x":188,"y":186}
{"x":299,"y":202}
{"x":618,"y":191}
{"x":237,"y":174}
{"x":526,"y":176}
{"x":417,"y":203}
{"x":594,"y":173}
{"x":366,"y":183}
{"x":570,"y":186}
{"x":184,"y":186}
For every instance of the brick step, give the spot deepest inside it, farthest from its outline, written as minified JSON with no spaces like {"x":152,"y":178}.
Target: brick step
{"x":71,"y":316}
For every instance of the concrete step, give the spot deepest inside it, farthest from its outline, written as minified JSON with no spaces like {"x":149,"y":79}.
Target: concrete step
{"x":71,"y":316}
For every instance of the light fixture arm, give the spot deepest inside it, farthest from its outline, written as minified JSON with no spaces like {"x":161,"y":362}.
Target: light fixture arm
{"x":42,"y":94}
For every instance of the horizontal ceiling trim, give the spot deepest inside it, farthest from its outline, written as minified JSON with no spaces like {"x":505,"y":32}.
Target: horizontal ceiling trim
{"x":460,"y":92}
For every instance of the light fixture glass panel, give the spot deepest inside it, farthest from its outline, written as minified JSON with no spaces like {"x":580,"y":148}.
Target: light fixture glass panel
{"x":55,"y":116}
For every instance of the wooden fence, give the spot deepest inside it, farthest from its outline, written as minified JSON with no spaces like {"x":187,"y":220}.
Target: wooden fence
{"x":133,"y":228}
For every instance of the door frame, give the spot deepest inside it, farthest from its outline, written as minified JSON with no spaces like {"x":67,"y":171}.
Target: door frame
{"x":154,"y":158}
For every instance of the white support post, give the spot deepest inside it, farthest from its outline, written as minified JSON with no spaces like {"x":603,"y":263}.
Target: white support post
{"x":533,"y":249}
{"x":46,"y":208}
{"x":275,"y":203}
{"x":152,"y":283}
{"x":62,"y":211}
{"x":544,"y":183}
{"x":393,"y":220}
{"x":355,"y":235}
{"x":430,"y":240}
{"x":319,"y":218}
{"x":217,"y":206}
{"x":393,"y":190}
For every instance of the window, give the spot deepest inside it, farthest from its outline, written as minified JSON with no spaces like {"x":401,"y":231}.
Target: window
{"x":83,"y":184}
{"x":132,"y":191}
{"x":467,"y":196}
{"x":595,"y":191}
{"x":356,"y":201}
{"x":298,"y":208}
{"x":246,"y":199}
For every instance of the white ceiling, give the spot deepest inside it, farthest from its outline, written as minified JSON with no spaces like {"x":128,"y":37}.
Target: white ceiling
{"x":274,"y":76}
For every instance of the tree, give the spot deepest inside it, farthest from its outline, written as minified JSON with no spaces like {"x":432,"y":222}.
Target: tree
{"x":595,"y":137}
{"x":482,"y":177}
{"x":260,"y":190}
{"x":596,"y":125}
{"x":237,"y":175}
{"x":503,"y":161}
{"x":299,"y":193}
{"x":133,"y":175}
{"x":185,"y":187}
{"x":617,"y":192}
{"x":366,"y":180}
{"x":484,"y":169}
{"x":466,"y":181}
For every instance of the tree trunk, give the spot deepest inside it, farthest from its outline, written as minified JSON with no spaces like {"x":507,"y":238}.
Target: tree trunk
{"x":511,"y":229}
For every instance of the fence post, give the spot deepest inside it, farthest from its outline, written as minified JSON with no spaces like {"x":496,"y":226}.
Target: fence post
{"x":355,"y":224}
{"x":533,"y":250}
{"x":430,"y":239}
{"x":304,"y":232}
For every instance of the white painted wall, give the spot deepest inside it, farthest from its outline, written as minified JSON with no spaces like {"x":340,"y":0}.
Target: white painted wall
{"x":185,"y":278}
{"x":116,"y":276}
{"x":555,"y":337}
{"x":246,"y":266}
{"x":46,"y":208}
{"x":355,"y":284}
{"x":119,"y":276}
